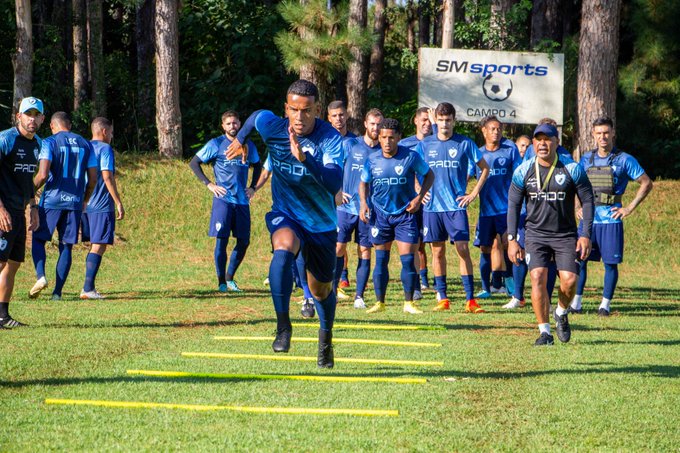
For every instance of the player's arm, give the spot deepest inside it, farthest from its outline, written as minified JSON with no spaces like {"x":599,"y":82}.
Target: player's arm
{"x":364,"y":212}
{"x":195,"y":165}
{"x":329,"y":175}
{"x":43,"y":174}
{"x":646,"y":186}
{"x":425,"y":187}
{"x":5,"y":219}
{"x":236,"y":147}
{"x":91,"y":184}
{"x":254,"y":179}
{"x":465,"y":200}
{"x":516,"y":197}
{"x":110,"y":182}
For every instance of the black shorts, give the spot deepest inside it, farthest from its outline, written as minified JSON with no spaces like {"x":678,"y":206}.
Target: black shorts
{"x":13,"y":243}
{"x":540,"y":252}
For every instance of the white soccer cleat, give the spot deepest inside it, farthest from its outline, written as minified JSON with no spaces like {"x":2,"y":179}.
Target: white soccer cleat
{"x":266,"y":282}
{"x":341,"y":295}
{"x":38,"y":287}
{"x":410,"y":307}
{"x":514,"y":303}
{"x":91,"y":295}
{"x":359,"y":303}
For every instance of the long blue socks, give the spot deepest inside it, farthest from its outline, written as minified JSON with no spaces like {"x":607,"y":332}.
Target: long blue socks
{"x":469,"y":286}
{"x":582,"y":278}
{"x":63,"y":266}
{"x":326,"y":310}
{"x":363,"y":271}
{"x":339,"y":263}
{"x":281,"y":285}
{"x":611,"y":277}
{"x":440,"y":286}
{"x":519,"y":275}
{"x":39,"y":256}
{"x":409,"y":277}
{"x":552,"y":278}
{"x":92,"y":263}
{"x":485,"y":271}
{"x":237,"y":256}
{"x":381,"y":274}
{"x":221,"y":259}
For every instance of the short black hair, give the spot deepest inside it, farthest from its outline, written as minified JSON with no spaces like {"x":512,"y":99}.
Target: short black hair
{"x":421,"y":110}
{"x":304,"y":87}
{"x":373,"y":112}
{"x":604,"y":121}
{"x":487,"y":119}
{"x":62,"y":118}
{"x":230,"y":113}
{"x":334,"y":105}
{"x":445,"y":109}
{"x":101,"y":123}
{"x":390,"y":123}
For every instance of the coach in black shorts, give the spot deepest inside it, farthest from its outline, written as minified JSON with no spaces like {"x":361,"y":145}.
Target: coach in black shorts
{"x":550,"y":183}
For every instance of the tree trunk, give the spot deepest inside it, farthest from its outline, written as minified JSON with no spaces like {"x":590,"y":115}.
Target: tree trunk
{"x":597,"y":65}
{"x":448,"y":21}
{"x":438,"y":23}
{"x":378,"y":50}
{"x":144,"y":26}
{"x":411,"y":22}
{"x":79,"y":54}
{"x":95,"y":19}
{"x":499,"y":32}
{"x":357,"y":71}
{"x":546,"y":22}
{"x":424,"y":23}
{"x":23,"y":58}
{"x":168,"y":115}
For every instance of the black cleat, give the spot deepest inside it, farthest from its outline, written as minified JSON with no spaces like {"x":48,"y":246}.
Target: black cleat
{"x":325,"y":358}
{"x":575,"y":311}
{"x":10,"y":323}
{"x":603,"y":312}
{"x":282,"y":341}
{"x":308,"y":308}
{"x":545,"y":340}
{"x":562,"y":327}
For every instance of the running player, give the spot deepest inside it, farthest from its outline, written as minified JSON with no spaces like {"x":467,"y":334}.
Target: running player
{"x":445,"y":212}
{"x":19,"y":148}
{"x":609,"y":170}
{"x":65,"y":159}
{"x":230,"y":213}
{"x":306,"y":157}
{"x":549,"y":184}
{"x":99,"y":218}
{"x":390,"y":177}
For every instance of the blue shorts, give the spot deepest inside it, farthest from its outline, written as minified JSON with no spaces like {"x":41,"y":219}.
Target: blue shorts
{"x":438,"y":226}
{"x":226,"y":218}
{"x":318,"y":249}
{"x":607,"y":240}
{"x":386,"y":228}
{"x":98,"y":227}
{"x":348,"y":224}
{"x":488,"y":227}
{"x":67,"y":224}
{"x":13,"y":243}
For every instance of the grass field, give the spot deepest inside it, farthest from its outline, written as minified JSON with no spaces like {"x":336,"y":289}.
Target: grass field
{"x":615,"y":386}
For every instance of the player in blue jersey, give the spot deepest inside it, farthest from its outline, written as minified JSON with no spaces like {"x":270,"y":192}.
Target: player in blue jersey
{"x":445,"y":212}
{"x":609,"y":170}
{"x":522,"y":143}
{"x":355,"y":154}
{"x":423,"y":128}
{"x":389,"y":176}
{"x":502,"y":157}
{"x":549,"y":185}
{"x":306,"y":158}
{"x":230,"y":214}
{"x":68,"y":169}
{"x":19,"y":148}
{"x":99,"y":218}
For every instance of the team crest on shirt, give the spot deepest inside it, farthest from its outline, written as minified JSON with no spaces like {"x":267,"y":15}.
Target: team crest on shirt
{"x":453,"y":152}
{"x":374,"y":232}
{"x":559,"y":179}
{"x":501,"y":161}
{"x":425,"y":231}
{"x":277,"y":220}
{"x":308,"y":149}
{"x":3,"y":243}
{"x":527,"y":258}
{"x":218,"y":226}
{"x":399,"y":169}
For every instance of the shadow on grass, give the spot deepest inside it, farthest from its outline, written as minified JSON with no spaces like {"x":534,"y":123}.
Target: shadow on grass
{"x":650,"y":342}
{"x":178,"y":324}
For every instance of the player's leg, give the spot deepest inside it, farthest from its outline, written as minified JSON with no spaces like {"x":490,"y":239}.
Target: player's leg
{"x":501,"y":222}
{"x":363,"y":263}
{"x":219,"y":229}
{"x":497,"y":264}
{"x":68,"y":228}
{"x":434,"y":233}
{"x":12,"y":254}
{"x":459,"y":233}
{"x":423,"y":271}
{"x":99,"y":230}
{"x":568,"y":267}
{"x":347,"y":225}
{"x":8,"y":270}
{"x":610,"y":238}
{"x":407,"y":236}
{"x":519,"y":271}
{"x":484,"y":239}
{"x":344,"y":277}
{"x":382,"y":235}
{"x":240,"y":229}
{"x":48,"y":222}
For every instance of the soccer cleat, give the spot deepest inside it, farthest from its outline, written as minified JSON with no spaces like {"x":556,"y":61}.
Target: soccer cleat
{"x":509,"y":285}
{"x":341,"y":295}
{"x":343,"y":284}
{"x":471,"y":306}
{"x":325,"y":358}
{"x":483,"y":294}
{"x":442,"y":305}
{"x":359,"y":303}
{"x":515,"y":303}
{"x":10,"y":323}
{"x":424,"y":284}
{"x":266,"y":282}
{"x":222,"y":288}
{"x":603,"y":312}
{"x":376,"y":308}
{"x":56,"y":296}
{"x":577,"y":311}
{"x":308,"y":308}
{"x":545,"y":340}
{"x":87,"y":295}
{"x":40,"y":284}
{"x":232,"y":287}
{"x":497,"y":290}
{"x":417,"y":295}
{"x":282,"y":341}
{"x":562,"y":328}
{"x":410,"y":307}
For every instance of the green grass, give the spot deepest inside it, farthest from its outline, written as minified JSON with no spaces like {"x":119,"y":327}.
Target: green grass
{"x":616,"y":386}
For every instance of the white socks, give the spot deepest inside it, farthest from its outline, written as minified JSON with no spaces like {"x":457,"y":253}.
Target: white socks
{"x":605,"y":304}
{"x":559,"y":311}
{"x":544,"y":328}
{"x":576,"y":302}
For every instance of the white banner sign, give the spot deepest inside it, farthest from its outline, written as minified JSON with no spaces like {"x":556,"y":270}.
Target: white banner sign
{"x":517,"y":87}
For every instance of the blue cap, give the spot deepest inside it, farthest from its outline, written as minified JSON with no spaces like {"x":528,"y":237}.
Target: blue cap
{"x":31,"y":103}
{"x":547,"y":129}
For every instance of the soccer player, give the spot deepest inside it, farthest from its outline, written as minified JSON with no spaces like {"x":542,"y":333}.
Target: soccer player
{"x":355,"y":154}
{"x":549,"y":184}
{"x":390,"y":177}
{"x":522,"y":143}
{"x":502,"y":157}
{"x":65,"y":160}
{"x":423,"y":128}
{"x":609,"y":170}
{"x":99,"y":218}
{"x":306,"y":157}
{"x":230,"y":213}
{"x":19,"y":148}
{"x":445,"y":212}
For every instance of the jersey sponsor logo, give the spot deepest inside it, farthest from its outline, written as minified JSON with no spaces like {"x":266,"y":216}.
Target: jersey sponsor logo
{"x":547,"y":196}
{"x":238,"y":162}
{"x":277,"y":220}
{"x":69,"y":198}
{"x":25,"y":168}
{"x":399,"y":169}
{"x":3,"y":243}
{"x":498,"y":171}
{"x":291,"y":169}
{"x":21,"y":153}
{"x":374,"y":232}
{"x":559,"y":179}
{"x":453,"y":152}
{"x":390,"y":181}
{"x":377,"y":171}
{"x":433,"y":152}
{"x":356,"y":167}
{"x":444,"y":164}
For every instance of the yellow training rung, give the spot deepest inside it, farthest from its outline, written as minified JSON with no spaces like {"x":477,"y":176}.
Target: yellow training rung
{"x":219,"y":355}
{"x":338,"y":340}
{"x":373,"y":326}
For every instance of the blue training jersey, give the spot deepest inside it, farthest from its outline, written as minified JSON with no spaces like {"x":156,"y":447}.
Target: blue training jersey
{"x":101,"y":200}
{"x":410,"y":142}
{"x":392,"y":179}
{"x":626,"y":168}
{"x":70,"y":156}
{"x":449,"y":160}
{"x":18,"y":163}
{"x":563,"y":152}
{"x":295,"y":191}
{"x":356,"y":153}
{"x":232,"y":174}
{"x":493,"y":198}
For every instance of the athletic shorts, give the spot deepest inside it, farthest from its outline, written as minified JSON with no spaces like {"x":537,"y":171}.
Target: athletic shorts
{"x":13,"y":243}
{"x":229,"y":218}
{"x":67,"y":224}
{"x":607,"y":240}
{"x":98,"y":227}
{"x":540,"y":252}
{"x":488,"y":227}
{"x":318,"y":249}
{"x":348,"y":224}
{"x":438,"y":226}
{"x":386,"y":228}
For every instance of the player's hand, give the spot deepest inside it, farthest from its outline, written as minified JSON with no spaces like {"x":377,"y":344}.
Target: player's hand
{"x":34,"y":220}
{"x":579,"y":214}
{"x":121,"y":211}
{"x":583,"y":247}
{"x":620,"y":213}
{"x":515,"y":252}
{"x":236,"y":149}
{"x":250,"y":193}
{"x":427,"y":197}
{"x":430,"y":115}
{"x":465,"y":200}
{"x":295,"y":146}
{"x":364,"y":213}
{"x":414,"y":205}
{"x":218,"y":191}
{"x":5,"y":220}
